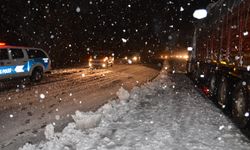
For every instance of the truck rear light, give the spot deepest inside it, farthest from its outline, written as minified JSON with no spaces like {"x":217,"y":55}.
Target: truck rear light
{"x":205,"y":90}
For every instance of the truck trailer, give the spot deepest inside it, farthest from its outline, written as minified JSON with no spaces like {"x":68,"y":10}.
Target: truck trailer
{"x":220,"y":59}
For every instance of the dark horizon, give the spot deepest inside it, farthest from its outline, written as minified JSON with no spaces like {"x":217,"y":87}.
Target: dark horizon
{"x":71,"y":29}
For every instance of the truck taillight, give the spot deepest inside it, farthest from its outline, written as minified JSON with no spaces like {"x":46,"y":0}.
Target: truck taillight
{"x":205,"y":90}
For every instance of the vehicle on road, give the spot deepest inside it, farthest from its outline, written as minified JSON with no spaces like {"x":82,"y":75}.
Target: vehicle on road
{"x":101,"y":59}
{"x":16,"y":62}
{"x":220,"y":58}
{"x":132,"y":58}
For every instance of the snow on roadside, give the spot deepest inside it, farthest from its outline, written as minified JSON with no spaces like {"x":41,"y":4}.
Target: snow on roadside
{"x":162,"y":114}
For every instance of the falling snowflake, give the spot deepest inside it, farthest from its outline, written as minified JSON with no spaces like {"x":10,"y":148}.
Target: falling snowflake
{"x":181,"y":9}
{"x":42,"y":96}
{"x":124,"y":40}
{"x":245,"y":33}
{"x":78,"y":9}
{"x":248,"y":68}
{"x":52,"y":36}
{"x":221,"y":127}
{"x":57,"y":117}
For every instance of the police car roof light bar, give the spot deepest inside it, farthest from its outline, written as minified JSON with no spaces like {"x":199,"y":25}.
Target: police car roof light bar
{"x":2,"y":44}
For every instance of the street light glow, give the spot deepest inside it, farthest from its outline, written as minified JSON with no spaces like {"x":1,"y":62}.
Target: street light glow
{"x":200,"y":13}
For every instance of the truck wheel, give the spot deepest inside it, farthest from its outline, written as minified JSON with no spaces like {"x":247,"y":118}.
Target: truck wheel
{"x":212,"y":85}
{"x":222,"y":97}
{"x":240,"y":112}
{"x":37,"y":75}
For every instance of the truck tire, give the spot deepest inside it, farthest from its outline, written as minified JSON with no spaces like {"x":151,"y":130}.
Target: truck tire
{"x":213,"y":85}
{"x":239,"y":110}
{"x":37,"y":74}
{"x":222,"y":95}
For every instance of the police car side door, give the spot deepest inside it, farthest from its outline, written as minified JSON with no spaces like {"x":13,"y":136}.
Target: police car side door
{"x":5,"y":64}
{"x":18,"y":60}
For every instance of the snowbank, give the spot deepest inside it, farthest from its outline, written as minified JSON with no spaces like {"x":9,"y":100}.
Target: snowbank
{"x":49,"y":132}
{"x":122,"y":94}
{"x":86,"y":120}
{"x":162,"y":114}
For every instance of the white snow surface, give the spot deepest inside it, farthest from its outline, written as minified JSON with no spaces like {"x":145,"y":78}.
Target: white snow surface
{"x":155,"y":116}
{"x":49,"y":131}
{"x":122,"y":94}
{"x":86,"y":120}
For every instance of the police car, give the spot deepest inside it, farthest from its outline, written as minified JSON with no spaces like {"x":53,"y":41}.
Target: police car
{"x":23,"y":62}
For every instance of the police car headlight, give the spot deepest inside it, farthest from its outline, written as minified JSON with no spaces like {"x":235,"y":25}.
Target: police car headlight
{"x":46,"y":60}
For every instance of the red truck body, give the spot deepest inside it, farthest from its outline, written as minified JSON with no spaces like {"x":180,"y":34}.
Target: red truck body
{"x":220,"y":59}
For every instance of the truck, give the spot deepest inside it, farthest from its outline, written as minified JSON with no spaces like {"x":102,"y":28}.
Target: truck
{"x":220,"y":58}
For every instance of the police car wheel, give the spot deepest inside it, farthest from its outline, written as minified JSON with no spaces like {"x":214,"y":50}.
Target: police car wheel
{"x":37,"y":75}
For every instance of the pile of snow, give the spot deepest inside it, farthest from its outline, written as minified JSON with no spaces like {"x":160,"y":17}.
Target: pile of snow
{"x":49,"y":132}
{"x":154,"y":116}
{"x":122,"y":94}
{"x":86,"y":120}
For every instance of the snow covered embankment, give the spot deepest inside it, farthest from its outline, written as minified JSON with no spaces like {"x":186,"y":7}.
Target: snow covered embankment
{"x":164,"y":114}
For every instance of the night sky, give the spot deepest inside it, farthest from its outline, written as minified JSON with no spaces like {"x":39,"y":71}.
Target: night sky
{"x":68,"y":29}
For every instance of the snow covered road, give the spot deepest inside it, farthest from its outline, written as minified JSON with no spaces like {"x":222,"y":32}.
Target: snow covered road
{"x":25,"y":111}
{"x":167,"y":113}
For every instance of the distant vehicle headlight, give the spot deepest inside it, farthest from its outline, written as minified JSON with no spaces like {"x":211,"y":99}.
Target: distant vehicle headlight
{"x":90,"y":59}
{"x":90,"y":65}
{"x":103,"y":65}
{"x":126,"y":57}
{"x":105,"y":59}
{"x":130,"y":61}
{"x":135,"y":58}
